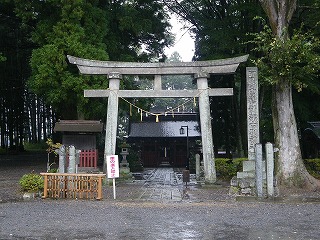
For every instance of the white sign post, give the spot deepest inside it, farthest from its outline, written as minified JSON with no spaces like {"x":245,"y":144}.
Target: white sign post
{"x":113,"y":170}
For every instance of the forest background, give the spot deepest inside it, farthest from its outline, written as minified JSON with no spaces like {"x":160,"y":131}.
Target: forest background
{"x":38,"y":86}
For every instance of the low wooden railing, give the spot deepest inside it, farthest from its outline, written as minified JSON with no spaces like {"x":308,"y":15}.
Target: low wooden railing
{"x":73,"y":185}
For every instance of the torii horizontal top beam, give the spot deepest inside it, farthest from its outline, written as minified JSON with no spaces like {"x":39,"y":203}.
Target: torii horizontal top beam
{"x":95,"y":67}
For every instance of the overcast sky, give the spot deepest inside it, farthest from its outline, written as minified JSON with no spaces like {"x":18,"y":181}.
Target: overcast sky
{"x":184,"y":44}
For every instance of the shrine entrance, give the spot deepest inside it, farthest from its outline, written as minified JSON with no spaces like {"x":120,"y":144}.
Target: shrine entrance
{"x":200,"y":70}
{"x":161,"y":144}
{"x":157,"y":153}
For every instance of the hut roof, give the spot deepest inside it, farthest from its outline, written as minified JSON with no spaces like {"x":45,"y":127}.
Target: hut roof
{"x":314,"y":128}
{"x":81,"y":126}
{"x":163,"y":129}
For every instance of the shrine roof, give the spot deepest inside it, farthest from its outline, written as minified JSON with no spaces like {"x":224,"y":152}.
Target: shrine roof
{"x":163,"y":129}
{"x":85,"y":126}
{"x":315,"y":128}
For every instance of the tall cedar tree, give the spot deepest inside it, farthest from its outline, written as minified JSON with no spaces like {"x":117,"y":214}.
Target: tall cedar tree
{"x":290,"y":168}
{"x":104,"y":30}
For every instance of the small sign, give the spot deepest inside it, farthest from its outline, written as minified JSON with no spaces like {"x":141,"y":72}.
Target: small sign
{"x":113,"y":166}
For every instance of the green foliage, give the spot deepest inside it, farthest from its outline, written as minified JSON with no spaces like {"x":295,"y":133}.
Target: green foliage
{"x":295,"y":58}
{"x":3,"y":151}
{"x":134,"y":161}
{"x":307,"y":13}
{"x":313,"y":167}
{"x":53,"y":170}
{"x":35,"y":146}
{"x":139,"y":30}
{"x":227,"y":168}
{"x":2,"y":58}
{"x":51,"y":146}
{"x":124,"y":30}
{"x":31,"y":182}
{"x":78,"y":29}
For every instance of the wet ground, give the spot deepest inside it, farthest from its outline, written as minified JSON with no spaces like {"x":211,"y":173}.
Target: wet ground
{"x":158,"y":206}
{"x":166,"y":185}
{"x":142,"y":220}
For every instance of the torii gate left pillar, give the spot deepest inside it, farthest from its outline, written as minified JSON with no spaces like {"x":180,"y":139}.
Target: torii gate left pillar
{"x":206,"y":129}
{"x":112,"y":117}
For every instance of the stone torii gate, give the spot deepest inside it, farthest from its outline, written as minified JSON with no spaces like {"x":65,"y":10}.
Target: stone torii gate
{"x":200,"y":70}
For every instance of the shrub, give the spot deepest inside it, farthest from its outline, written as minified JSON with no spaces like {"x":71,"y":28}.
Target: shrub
{"x":227,"y":168}
{"x":134,"y":162}
{"x":31,"y":182}
{"x":3,"y":151}
{"x":313,"y":167}
{"x":53,"y":170}
{"x":33,"y":147}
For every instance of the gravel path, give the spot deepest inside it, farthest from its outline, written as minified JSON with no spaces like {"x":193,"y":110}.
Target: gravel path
{"x":69,"y":219}
{"x":207,"y":213}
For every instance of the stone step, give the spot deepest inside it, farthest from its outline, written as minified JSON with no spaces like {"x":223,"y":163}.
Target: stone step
{"x":164,"y":164}
{"x":250,"y":174}
{"x":246,"y":174}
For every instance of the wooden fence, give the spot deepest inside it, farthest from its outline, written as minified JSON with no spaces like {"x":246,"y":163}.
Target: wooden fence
{"x":76,"y":186}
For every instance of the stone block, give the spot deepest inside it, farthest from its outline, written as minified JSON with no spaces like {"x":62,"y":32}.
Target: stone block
{"x":252,"y":182}
{"x":124,"y":170}
{"x":244,"y":183}
{"x":29,"y":196}
{"x":245,"y":174}
{"x":246,"y":191}
{"x":234,"y":182}
{"x":249,"y":166}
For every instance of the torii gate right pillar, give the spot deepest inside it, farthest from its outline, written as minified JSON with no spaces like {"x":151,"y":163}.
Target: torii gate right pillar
{"x":206,"y":129}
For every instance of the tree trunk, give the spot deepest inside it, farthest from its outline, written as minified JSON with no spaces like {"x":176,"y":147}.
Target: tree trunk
{"x":39,"y":119}
{"x":290,"y":169}
{"x":33,"y":121}
{"x":2,"y":123}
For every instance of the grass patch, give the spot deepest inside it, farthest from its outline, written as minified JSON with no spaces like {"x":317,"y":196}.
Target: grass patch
{"x":35,"y":147}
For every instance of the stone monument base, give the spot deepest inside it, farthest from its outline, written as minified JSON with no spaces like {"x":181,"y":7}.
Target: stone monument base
{"x":125,"y":173}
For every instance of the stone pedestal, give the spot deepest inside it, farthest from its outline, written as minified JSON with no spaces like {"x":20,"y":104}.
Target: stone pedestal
{"x":124,"y":165}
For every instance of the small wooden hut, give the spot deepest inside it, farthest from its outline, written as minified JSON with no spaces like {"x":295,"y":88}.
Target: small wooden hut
{"x":83,"y":135}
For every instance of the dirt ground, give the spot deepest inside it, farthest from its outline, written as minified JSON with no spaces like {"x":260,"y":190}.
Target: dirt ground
{"x":13,"y":167}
